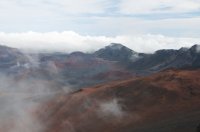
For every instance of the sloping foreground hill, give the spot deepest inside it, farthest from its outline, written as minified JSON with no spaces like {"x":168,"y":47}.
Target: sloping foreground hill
{"x":168,"y":101}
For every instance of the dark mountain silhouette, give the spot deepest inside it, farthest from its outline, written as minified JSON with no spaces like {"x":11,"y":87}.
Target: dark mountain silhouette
{"x":83,"y":69}
{"x":11,"y":57}
{"x":163,"y":59}
{"x":118,"y":52}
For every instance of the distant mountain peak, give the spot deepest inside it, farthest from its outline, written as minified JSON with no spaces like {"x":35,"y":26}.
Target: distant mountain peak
{"x":116,"y":46}
{"x":184,"y":49}
{"x":118,"y":52}
{"x":195,"y":48}
{"x":77,"y":53}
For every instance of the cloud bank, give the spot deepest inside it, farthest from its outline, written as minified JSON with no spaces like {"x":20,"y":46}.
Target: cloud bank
{"x":69,"y":41}
{"x":102,"y":17}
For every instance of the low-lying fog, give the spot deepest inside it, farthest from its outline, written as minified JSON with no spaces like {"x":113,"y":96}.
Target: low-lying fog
{"x":19,"y":100}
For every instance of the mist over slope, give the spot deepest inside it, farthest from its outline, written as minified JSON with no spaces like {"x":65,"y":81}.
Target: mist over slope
{"x":52,"y":88}
{"x":164,"y":102}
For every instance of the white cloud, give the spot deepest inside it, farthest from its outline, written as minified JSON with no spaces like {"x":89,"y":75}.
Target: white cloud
{"x":159,"y":6}
{"x":54,"y":41}
{"x":69,"y":41}
{"x":111,"y":108}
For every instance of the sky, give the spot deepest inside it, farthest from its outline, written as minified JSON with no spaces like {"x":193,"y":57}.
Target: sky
{"x":87,"y":25}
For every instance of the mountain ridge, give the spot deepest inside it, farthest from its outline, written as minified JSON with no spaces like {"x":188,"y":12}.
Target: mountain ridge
{"x":85,"y":69}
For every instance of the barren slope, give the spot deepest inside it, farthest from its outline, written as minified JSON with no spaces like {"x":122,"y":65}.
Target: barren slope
{"x":168,"y":101}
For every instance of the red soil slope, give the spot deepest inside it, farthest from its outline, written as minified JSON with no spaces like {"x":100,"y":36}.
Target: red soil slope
{"x":168,"y":101}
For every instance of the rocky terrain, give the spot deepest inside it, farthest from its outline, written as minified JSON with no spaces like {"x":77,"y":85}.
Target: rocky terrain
{"x":113,"y":89}
{"x":168,"y":101}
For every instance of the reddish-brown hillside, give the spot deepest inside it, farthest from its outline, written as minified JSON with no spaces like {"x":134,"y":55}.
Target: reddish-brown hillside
{"x":168,"y":101}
